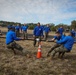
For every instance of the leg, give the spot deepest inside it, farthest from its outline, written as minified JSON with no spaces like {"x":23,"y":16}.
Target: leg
{"x":45,"y":35}
{"x":52,"y":48}
{"x":59,"y":54}
{"x":62,"y":54}
{"x":26,"y":35}
{"x":17,"y":46}
{"x":34,"y":41}
{"x":39,"y":40}
{"x":60,"y":49}
{"x":9,"y":46}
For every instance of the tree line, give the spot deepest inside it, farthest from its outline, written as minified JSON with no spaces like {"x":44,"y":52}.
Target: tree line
{"x":51,"y":25}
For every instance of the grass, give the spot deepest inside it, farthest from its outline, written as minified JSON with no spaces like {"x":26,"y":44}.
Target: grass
{"x":11,"y":64}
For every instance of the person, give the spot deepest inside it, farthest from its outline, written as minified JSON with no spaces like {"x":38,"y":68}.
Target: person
{"x":46,"y":30}
{"x":58,"y":37}
{"x":75,"y":37}
{"x":10,"y":41}
{"x":24,"y":29}
{"x":9,"y":26}
{"x":74,"y":34}
{"x":61,"y":30}
{"x":0,"y":32}
{"x":17,"y":29}
{"x":67,"y":44}
{"x":13,"y":26}
{"x":37,"y":33}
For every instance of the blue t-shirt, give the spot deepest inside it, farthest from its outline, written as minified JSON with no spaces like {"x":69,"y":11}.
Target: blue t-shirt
{"x":60,"y":30}
{"x":38,"y":31}
{"x":68,"y":42}
{"x":17,"y":27}
{"x":24,"y":28}
{"x":47,"y":29}
{"x":73,"y":33}
{"x":11,"y":36}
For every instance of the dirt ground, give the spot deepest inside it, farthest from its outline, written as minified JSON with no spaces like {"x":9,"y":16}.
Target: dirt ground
{"x":11,"y":64}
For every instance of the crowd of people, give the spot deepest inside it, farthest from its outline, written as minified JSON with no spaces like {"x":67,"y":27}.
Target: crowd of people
{"x":63,"y":43}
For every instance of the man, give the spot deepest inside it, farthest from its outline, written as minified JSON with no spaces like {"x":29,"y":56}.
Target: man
{"x":24,"y":29}
{"x":58,"y":37}
{"x":47,"y":30}
{"x":17,"y":29}
{"x":37,"y":33}
{"x":9,"y":26}
{"x":66,"y":46}
{"x":13,"y":26}
{"x":74,"y":34}
{"x":60,"y":30}
{"x":10,"y":41}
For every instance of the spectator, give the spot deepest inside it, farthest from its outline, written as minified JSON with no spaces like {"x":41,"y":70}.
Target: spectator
{"x":24,"y":29}
{"x":61,"y":30}
{"x":47,"y":30}
{"x":38,"y":32}
{"x":17,"y":29}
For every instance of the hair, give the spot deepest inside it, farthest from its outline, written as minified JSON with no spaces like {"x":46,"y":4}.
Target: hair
{"x":57,"y":32}
{"x":38,"y":22}
{"x":72,"y":34}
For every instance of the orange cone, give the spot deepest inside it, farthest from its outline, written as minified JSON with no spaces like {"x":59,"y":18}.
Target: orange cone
{"x":39,"y":54}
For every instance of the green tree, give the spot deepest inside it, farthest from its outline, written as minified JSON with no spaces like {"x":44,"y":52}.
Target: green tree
{"x":73,"y":24}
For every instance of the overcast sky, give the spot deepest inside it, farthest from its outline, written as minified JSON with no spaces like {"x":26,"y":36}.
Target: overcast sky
{"x":44,"y":11}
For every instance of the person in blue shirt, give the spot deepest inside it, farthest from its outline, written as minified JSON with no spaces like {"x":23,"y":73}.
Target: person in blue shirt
{"x":10,"y":40}
{"x":13,"y":26}
{"x":67,"y":44}
{"x":74,"y":34}
{"x":24,"y":29}
{"x":75,"y":37}
{"x":37,"y":33}
{"x":9,"y":26}
{"x":17,"y":29}
{"x":46,"y":30}
{"x":61,"y":30}
{"x":57,"y":37}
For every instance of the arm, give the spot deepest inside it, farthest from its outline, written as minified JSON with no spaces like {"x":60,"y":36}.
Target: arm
{"x":15,"y":38}
{"x":34,"y":32}
{"x":62,"y":41}
{"x":41,"y":32}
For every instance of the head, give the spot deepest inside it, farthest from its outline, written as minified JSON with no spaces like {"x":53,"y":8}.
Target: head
{"x":61,"y":26}
{"x":72,"y":29}
{"x":24,"y":24}
{"x":71,"y":34}
{"x":38,"y":24}
{"x":47,"y":25}
{"x":58,"y":34}
{"x":17,"y":24}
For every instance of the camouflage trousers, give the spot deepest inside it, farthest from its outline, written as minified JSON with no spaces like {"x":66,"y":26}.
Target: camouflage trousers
{"x":53,"y":47}
{"x":61,"y":50}
{"x":17,"y":33}
{"x":25,"y":35}
{"x":46,"y":35}
{"x":14,"y":45}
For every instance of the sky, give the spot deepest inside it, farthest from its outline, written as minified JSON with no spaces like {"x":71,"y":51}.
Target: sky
{"x":43,"y":11}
